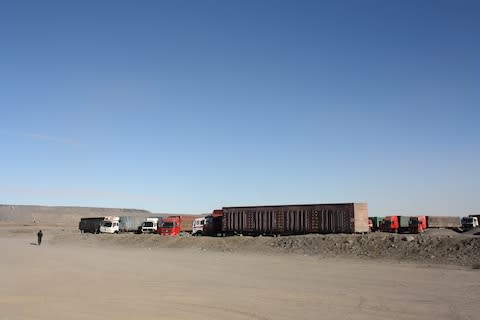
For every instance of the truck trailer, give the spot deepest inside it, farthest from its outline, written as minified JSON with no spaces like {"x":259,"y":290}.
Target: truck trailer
{"x":450,"y":222}
{"x":90,"y":225}
{"x":130,"y":223}
{"x":295,"y":219}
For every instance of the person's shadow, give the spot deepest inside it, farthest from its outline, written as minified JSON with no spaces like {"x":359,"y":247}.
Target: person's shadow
{"x":34,"y":243}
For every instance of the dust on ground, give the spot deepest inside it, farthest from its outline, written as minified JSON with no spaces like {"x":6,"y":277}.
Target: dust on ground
{"x":126,"y":276}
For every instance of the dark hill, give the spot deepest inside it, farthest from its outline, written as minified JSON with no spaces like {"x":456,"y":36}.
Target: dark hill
{"x":46,"y":215}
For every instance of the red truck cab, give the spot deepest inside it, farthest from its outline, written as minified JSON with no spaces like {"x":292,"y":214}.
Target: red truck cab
{"x":390,"y":224}
{"x":170,"y":226}
{"x":417,"y":224}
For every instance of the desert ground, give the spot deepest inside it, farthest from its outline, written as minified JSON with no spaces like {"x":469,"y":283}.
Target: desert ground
{"x":127,"y":276}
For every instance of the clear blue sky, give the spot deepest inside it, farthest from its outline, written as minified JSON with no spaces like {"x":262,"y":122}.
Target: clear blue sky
{"x":187,"y":106}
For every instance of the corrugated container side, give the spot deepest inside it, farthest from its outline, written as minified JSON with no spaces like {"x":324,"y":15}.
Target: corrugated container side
{"x":130,"y":223}
{"x":443,"y":222}
{"x":297,"y":219}
{"x":90,"y":224}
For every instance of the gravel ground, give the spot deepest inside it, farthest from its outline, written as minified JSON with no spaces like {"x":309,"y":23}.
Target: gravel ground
{"x":432,"y":247}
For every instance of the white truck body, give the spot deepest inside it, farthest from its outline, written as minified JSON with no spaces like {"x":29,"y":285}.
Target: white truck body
{"x":197,"y":226}
{"x":110,"y":225}
{"x":150,"y":225}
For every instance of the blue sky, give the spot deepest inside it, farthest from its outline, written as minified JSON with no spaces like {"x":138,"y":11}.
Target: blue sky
{"x":187,"y":106}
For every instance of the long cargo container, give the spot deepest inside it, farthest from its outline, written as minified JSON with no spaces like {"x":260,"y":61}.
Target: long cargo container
{"x":130,"y":223}
{"x":296,"y":219}
{"x":91,"y":225}
{"x":443,"y":222}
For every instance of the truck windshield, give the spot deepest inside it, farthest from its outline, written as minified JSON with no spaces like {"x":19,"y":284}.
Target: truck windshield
{"x":148,"y":224}
{"x":167,"y":225}
{"x":107,"y":224}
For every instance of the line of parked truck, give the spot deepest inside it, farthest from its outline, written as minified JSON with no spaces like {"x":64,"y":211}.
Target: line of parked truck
{"x":280,"y":220}
{"x":418,"y":224}
{"x":252,"y":221}
{"x":112,"y":224}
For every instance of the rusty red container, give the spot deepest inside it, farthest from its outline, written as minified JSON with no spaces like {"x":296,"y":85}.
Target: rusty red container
{"x":296,"y":219}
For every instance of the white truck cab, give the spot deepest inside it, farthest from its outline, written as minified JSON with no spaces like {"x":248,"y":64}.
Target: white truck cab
{"x":150,"y":225}
{"x":470,"y":222}
{"x":197,"y":226}
{"x":110,"y":225}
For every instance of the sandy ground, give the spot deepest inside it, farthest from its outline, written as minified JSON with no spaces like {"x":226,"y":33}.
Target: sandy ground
{"x":84,"y":280}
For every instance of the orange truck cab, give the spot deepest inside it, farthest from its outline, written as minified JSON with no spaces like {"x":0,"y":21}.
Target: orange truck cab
{"x":389,"y":224}
{"x":395,"y":224}
{"x":170,"y":226}
{"x":417,"y":224}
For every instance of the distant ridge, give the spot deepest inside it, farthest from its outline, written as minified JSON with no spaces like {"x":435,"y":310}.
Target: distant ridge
{"x":59,"y":215}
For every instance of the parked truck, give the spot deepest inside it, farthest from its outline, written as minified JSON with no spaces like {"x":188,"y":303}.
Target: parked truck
{"x":474,"y":216}
{"x":170,"y":226}
{"x":417,"y":224}
{"x":421,"y":223}
{"x":197,"y":226}
{"x":279,"y":220}
{"x":210,"y":225}
{"x":150,"y":225}
{"x":375,"y":222}
{"x":395,"y":224}
{"x":91,"y":225}
{"x":470,"y":222}
{"x":110,"y":225}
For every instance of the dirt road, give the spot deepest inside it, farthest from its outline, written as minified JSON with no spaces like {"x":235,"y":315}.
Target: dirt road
{"x":63,"y":280}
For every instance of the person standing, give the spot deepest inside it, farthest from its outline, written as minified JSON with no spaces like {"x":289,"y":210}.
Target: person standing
{"x":39,"y":237}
